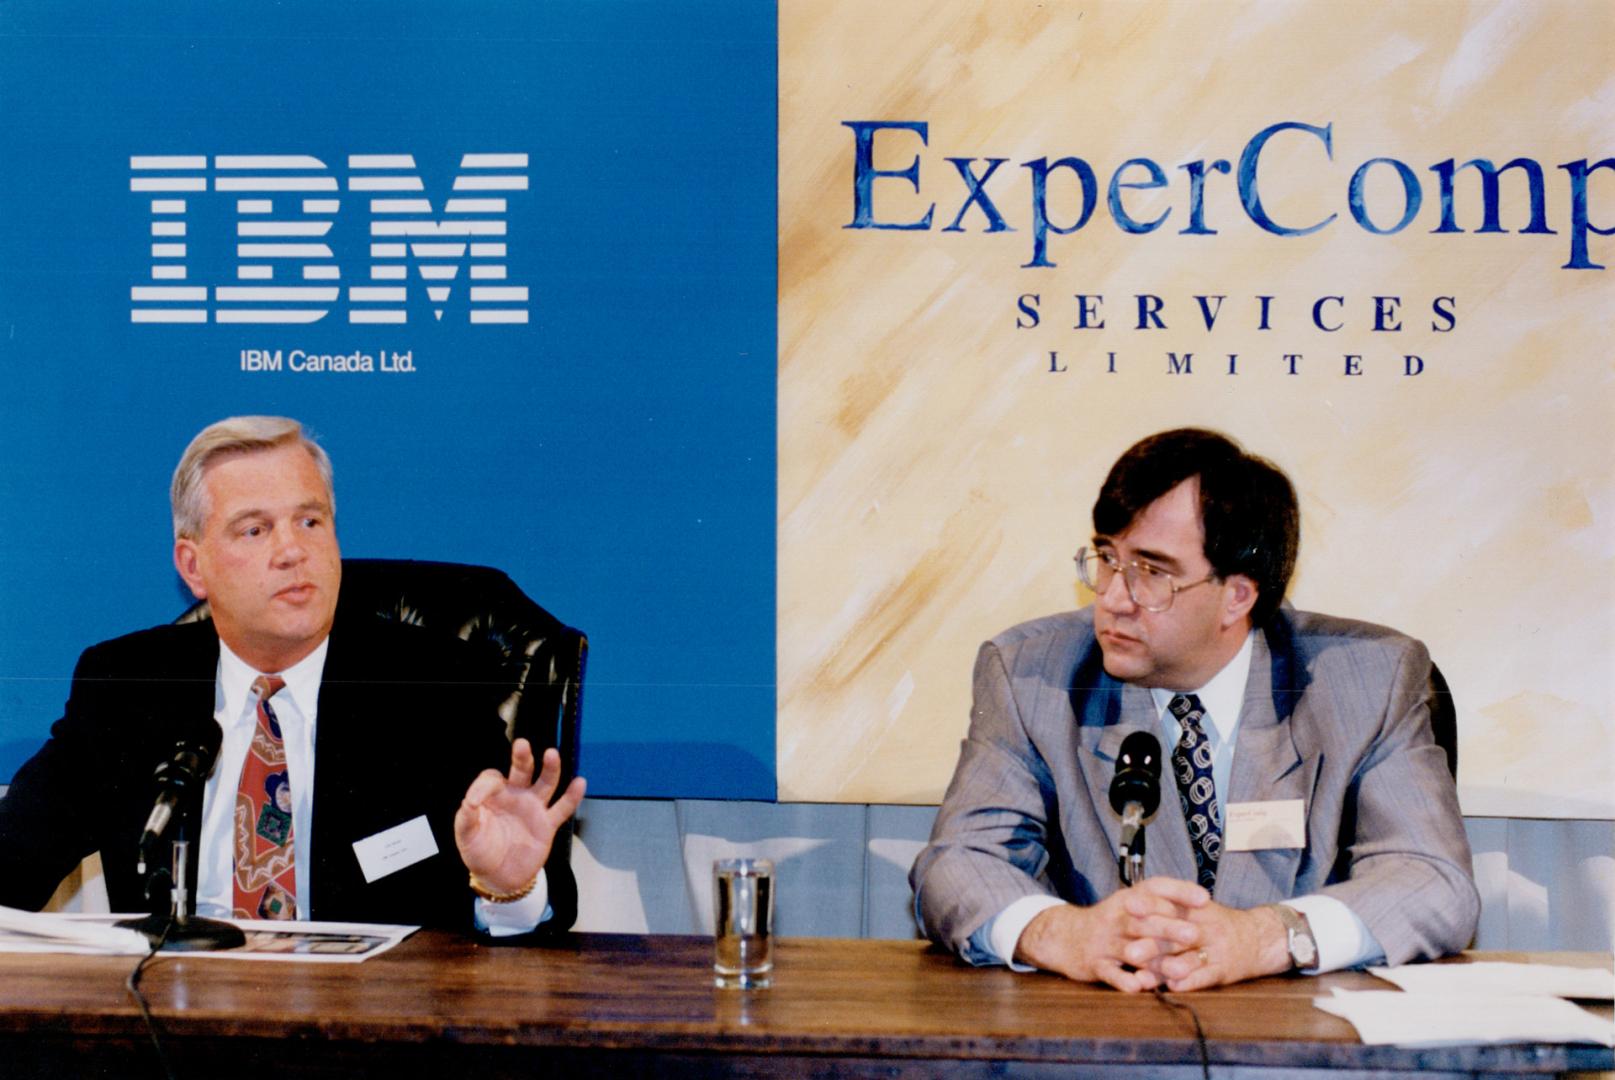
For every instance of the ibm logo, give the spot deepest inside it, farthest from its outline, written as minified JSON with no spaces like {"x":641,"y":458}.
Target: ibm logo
{"x":285,"y":208}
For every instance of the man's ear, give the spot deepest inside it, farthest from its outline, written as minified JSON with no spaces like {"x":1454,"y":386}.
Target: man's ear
{"x":1242,"y":592}
{"x":189,"y":564}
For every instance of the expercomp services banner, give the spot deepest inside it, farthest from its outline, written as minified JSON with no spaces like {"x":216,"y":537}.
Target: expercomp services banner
{"x":1370,"y":241}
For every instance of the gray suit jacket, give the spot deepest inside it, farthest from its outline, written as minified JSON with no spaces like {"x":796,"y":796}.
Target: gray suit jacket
{"x":1336,"y":713}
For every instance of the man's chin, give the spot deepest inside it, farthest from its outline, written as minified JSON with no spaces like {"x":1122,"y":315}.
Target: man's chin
{"x":299,"y":635}
{"x":1120,"y":667}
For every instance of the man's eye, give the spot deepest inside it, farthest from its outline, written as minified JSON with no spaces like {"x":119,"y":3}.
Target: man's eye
{"x":312,"y":522}
{"x":1152,"y":571}
{"x":252,"y":530}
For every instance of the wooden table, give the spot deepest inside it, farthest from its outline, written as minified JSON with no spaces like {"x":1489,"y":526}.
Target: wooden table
{"x":628,"y":1005}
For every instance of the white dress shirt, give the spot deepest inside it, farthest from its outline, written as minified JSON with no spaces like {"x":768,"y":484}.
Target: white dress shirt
{"x":1343,"y":939}
{"x":297,"y":707}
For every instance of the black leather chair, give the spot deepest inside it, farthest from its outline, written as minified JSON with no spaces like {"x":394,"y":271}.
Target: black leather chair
{"x":1444,"y":718}
{"x":542,"y":657}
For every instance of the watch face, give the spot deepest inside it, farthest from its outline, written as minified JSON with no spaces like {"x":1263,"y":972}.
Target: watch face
{"x":1303,"y":950}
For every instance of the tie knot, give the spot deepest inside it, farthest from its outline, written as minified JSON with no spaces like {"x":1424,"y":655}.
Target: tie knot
{"x":1186,"y":708}
{"x":267,"y":686}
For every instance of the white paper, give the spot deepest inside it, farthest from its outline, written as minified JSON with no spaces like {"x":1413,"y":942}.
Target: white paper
{"x":1393,"y":1017}
{"x":1499,"y":977}
{"x":32,"y":931}
{"x":301,"y":941}
{"x":312,"y":942}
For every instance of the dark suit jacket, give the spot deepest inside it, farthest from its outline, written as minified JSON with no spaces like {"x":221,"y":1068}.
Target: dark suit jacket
{"x":1336,"y":713}
{"x":406,"y":721}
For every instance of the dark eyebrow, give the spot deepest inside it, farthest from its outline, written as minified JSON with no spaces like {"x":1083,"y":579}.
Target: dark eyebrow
{"x":1160,"y":561}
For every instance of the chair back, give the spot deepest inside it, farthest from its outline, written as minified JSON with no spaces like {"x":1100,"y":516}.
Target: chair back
{"x":541,"y":657}
{"x":1444,"y":718}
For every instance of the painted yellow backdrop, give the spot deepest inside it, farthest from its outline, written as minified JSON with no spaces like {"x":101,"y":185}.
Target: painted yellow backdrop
{"x":936,"y":476}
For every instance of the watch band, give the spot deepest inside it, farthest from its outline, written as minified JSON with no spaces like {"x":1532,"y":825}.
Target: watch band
{"x":493,"y":896}
{"x":1302,"y":946}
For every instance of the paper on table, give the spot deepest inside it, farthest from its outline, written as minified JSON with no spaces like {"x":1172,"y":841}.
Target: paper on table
{"x":31,"y":931}
{"x":1392,"y":1017}
{"x":312,"y":942}
{"x":317,"y":942}
{"x":1498,"y":977}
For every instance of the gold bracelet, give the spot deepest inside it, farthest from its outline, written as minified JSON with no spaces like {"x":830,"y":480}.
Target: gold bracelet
{"x":503,"y":897}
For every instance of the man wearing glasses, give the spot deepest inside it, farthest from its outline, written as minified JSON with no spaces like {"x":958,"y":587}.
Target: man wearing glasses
{"x":1308,"y":820}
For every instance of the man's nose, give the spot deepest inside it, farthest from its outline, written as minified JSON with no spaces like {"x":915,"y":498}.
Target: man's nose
{"x":1115,"y":596}
{"x":289,"y":549}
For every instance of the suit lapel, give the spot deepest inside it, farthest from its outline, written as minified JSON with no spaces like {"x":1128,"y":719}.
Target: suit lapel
{"x":336,"y":757}
{"x":1267,"y":767}
{"x":177,"y":692}
{"x":358,"y":788}
{"x":1107,"y":714}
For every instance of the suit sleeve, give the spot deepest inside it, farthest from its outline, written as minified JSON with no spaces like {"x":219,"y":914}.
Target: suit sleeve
{"x":45,"y":821}
{"x":991,"y":841}
{"x":1408,"y":871}
{"x":494,"y":753}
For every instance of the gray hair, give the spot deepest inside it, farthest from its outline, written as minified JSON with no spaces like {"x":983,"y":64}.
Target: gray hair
{"x":234,"y":435}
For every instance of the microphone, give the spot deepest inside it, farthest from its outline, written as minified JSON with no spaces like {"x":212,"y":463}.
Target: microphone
{"x":184,"y":770}
{"x":1135,"y":792}
{"x":179,"y":778}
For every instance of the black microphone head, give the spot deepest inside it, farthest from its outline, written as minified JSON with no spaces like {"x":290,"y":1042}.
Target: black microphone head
{"x":1138,"y":774}
{"x":178,"y":781}
{"x":191,"y":760}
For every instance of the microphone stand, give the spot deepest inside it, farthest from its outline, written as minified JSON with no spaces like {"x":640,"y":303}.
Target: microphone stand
{"x":1130,"y":856}
{"x":179,"y":929}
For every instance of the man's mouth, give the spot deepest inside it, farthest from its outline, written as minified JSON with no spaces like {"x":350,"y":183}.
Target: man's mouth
{"x":1116,"y":637}
{"x":298,"y":593}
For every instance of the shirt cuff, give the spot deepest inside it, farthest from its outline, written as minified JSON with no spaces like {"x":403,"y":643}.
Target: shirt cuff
{"x":517,"y":917}
{"x":1005,"y":930}
{"x":1342,"y":938}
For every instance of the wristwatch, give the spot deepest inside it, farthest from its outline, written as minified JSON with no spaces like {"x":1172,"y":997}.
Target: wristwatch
{"x":1297,"y":937}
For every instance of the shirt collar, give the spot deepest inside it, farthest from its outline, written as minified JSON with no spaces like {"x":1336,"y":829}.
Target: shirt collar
{"x":1223,"y":696}
{"x":236,"y":677}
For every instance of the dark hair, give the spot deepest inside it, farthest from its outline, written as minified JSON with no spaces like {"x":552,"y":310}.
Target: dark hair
{"x":1247,"y":506}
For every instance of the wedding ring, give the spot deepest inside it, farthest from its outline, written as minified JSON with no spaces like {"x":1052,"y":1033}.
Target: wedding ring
{"x":1204,"y":958}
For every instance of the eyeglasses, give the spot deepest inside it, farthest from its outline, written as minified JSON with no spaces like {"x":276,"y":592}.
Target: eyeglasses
{"x":1150,"y":587}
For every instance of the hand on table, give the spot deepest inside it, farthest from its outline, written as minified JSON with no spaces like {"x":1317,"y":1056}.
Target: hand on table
{"x":505,"y":824}
{"x":1170,"y":933}
{"x":1232,"y":945}
{"x":1132,"y":928}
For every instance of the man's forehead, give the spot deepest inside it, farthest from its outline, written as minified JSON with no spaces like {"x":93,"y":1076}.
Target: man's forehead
{"x":250,"y":455}
{"x":268,"y":474}
{"x":1170,"y":526}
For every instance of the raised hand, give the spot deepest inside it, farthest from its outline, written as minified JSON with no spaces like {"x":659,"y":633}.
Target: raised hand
{"x":506,"y":824}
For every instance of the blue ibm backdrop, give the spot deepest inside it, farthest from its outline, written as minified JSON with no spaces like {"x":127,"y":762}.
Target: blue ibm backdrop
{"x":615,"y":453}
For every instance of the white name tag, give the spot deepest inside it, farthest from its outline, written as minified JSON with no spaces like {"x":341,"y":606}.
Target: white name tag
{"x":1259,"y":826}
{"x":390,"y":850}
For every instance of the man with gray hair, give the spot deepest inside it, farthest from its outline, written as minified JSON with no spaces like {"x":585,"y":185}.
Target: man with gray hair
{"x":335,"y":794}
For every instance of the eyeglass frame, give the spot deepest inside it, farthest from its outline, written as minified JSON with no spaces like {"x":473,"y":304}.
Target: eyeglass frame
{"x":1129,"y":571}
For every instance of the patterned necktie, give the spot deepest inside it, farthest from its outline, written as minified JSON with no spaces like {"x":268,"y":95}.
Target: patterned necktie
{"x":266,"y":875}
{"x":1191,"y":760}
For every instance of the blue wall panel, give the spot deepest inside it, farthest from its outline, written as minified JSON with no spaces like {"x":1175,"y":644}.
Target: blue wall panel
{"x":615,"y":453}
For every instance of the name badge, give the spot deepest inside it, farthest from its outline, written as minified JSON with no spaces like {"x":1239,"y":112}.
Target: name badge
{"x":391,"y":850}
{"x":1261,"y":826}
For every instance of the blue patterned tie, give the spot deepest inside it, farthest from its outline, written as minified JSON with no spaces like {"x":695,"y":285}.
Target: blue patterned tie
{"x":1191,"y":760}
